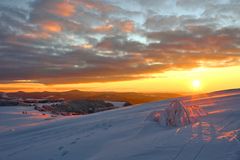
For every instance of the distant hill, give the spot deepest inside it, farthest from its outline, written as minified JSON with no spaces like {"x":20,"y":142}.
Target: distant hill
{"x":131,"y":97}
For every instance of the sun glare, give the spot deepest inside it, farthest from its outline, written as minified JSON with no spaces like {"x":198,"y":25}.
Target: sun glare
{"x":196,"y":84}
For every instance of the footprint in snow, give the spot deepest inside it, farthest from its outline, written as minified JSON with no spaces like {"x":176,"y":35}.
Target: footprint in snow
{"x":64,"y":153}
{"x":88,"y":135}
{"x":60,"y":148}
{"x":106,"y":126}
{"x":74,"y":142}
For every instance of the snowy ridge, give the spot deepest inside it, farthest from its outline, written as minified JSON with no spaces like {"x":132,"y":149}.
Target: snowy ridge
{"x":125,"y":134}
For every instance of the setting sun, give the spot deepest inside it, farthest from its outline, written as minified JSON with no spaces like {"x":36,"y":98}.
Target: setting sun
{"x":196,"y":84}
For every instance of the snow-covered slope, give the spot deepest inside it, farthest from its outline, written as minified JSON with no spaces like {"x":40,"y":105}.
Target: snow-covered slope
{"x":127,"y":134}
{"x":19,"y":117}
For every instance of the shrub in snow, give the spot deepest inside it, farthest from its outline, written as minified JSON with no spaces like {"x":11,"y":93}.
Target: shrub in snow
{"x":177,"y":114}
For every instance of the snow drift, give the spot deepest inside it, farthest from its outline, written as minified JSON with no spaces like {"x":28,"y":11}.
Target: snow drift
{"x":177,"y":114}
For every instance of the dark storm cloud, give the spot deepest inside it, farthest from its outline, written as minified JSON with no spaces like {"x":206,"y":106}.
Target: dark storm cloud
{"x":197,"y":45}
{"x":12,"y":21}
{"x":81,"y":64}
{"x":99,"y":41}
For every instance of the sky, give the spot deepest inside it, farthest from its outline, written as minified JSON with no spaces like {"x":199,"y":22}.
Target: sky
{"x":119,"y":45}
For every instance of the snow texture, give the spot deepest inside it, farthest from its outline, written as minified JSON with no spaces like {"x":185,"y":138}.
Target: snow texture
{"x":125,"y":134}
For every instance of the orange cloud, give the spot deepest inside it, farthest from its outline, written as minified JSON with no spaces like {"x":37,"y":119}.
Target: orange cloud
{"x":58,"y":8}
{"x":23,"y":39}
{"x":51,"y":26}
{"x":127,"y":26}
{"x":103,"y":28}
{"x":64,"y":9}
{"x":36,"y":35}
{"x":87,"y":46}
